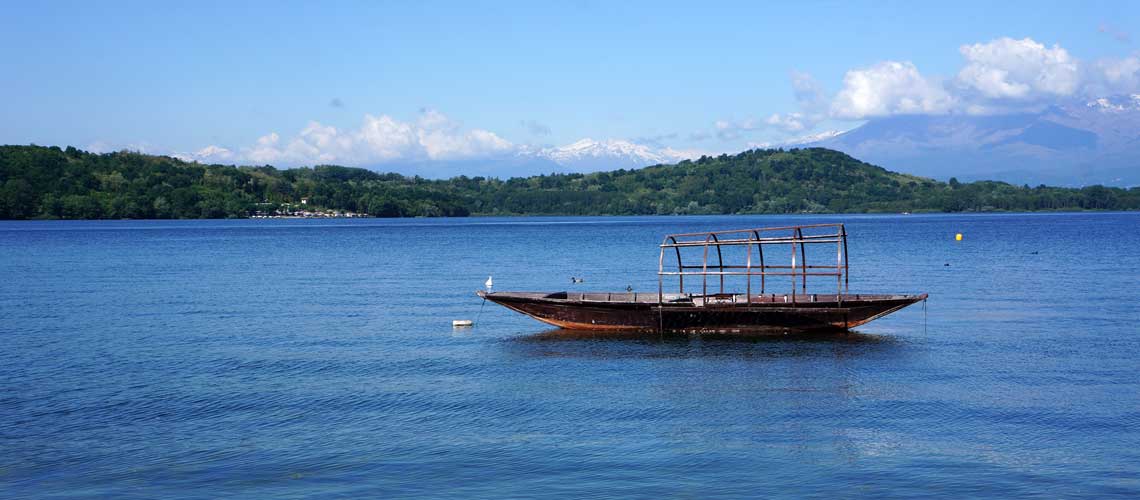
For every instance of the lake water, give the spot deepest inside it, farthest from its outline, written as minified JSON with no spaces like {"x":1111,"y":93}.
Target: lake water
{"x":292,"y":358}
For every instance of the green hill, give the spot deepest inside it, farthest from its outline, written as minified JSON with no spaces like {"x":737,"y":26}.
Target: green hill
{"x":49,"y":182}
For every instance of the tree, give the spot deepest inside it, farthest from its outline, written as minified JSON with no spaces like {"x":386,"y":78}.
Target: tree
{"x":54,"y":183}
{"x":17,"y":199}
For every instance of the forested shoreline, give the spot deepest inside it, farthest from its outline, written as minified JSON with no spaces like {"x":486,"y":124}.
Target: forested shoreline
{"x":38,"y":182}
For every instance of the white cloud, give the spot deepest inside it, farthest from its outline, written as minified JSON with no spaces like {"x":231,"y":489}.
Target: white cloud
{"x":1118,"y":76}
{"x":811,"y":98}
{"x":728,"y":130}
{"x":790,"y":122}
{"x":432,"y":136}
{"x":813,"y":103}
{"x":810,"y":95}
{"x":889,"y":88}
{"x":1018,"y":69}
{"x":384,"y":138}
{"x":380,"y":139}
{"x":1003,"y":75}
{"x":443,"y":139}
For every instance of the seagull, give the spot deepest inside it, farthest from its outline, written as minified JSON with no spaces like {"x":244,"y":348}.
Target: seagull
{"x":575,"y":279}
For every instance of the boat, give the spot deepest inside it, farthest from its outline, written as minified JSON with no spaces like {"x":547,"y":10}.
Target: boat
{"x":707,"y":268}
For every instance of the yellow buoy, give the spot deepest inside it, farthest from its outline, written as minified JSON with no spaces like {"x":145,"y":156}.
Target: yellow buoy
{"x":958,"y":237}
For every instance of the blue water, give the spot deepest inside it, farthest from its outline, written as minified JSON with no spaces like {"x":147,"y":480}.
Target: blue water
{"x":292,"y":358}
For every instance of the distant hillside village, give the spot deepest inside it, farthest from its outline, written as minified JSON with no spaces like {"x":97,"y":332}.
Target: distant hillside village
{"x":267,"y":210}
{"x":52,"y":183}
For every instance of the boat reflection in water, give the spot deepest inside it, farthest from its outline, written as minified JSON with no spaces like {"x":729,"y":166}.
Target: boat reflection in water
{"x":746,"y":257}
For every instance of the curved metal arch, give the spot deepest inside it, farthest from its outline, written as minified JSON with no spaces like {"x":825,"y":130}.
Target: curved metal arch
{"x":803,"y":257}
{"x":661,"y":268}
{"x":748,"y":269}
{"x":794,"y":236}
{"x":846,"y":261}
{"x":719,"y":259}
{"x":760,"y":250}
{"x":705,"y":264}
{"x":680,"y":267}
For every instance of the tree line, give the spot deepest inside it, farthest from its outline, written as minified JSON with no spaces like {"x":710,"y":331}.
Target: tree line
{"x":39,"y":182}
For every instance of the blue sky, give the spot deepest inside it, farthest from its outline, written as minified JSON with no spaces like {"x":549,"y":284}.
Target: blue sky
{"x":384,"y":82}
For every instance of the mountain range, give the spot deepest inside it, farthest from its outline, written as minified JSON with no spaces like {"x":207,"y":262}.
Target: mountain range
{"x":585,"y":155}
{"x":588,"y":154}
{"x":1073,"y":144}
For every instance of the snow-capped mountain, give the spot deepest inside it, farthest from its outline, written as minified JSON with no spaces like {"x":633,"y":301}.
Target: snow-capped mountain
{"x":808,"y":139}
{"x":588,"y":155}
{"x":1074,"y":144}
{"x":798,"y":141}
{"x":1118,"y":105}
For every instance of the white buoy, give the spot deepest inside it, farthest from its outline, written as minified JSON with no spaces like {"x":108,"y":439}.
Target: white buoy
{"x":461,"y":323}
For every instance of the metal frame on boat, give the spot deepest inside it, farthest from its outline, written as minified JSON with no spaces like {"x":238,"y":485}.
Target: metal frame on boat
{"x":792,"y":236}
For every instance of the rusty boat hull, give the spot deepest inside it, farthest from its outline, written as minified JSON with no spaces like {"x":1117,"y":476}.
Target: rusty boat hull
{"x":721,"y":313}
